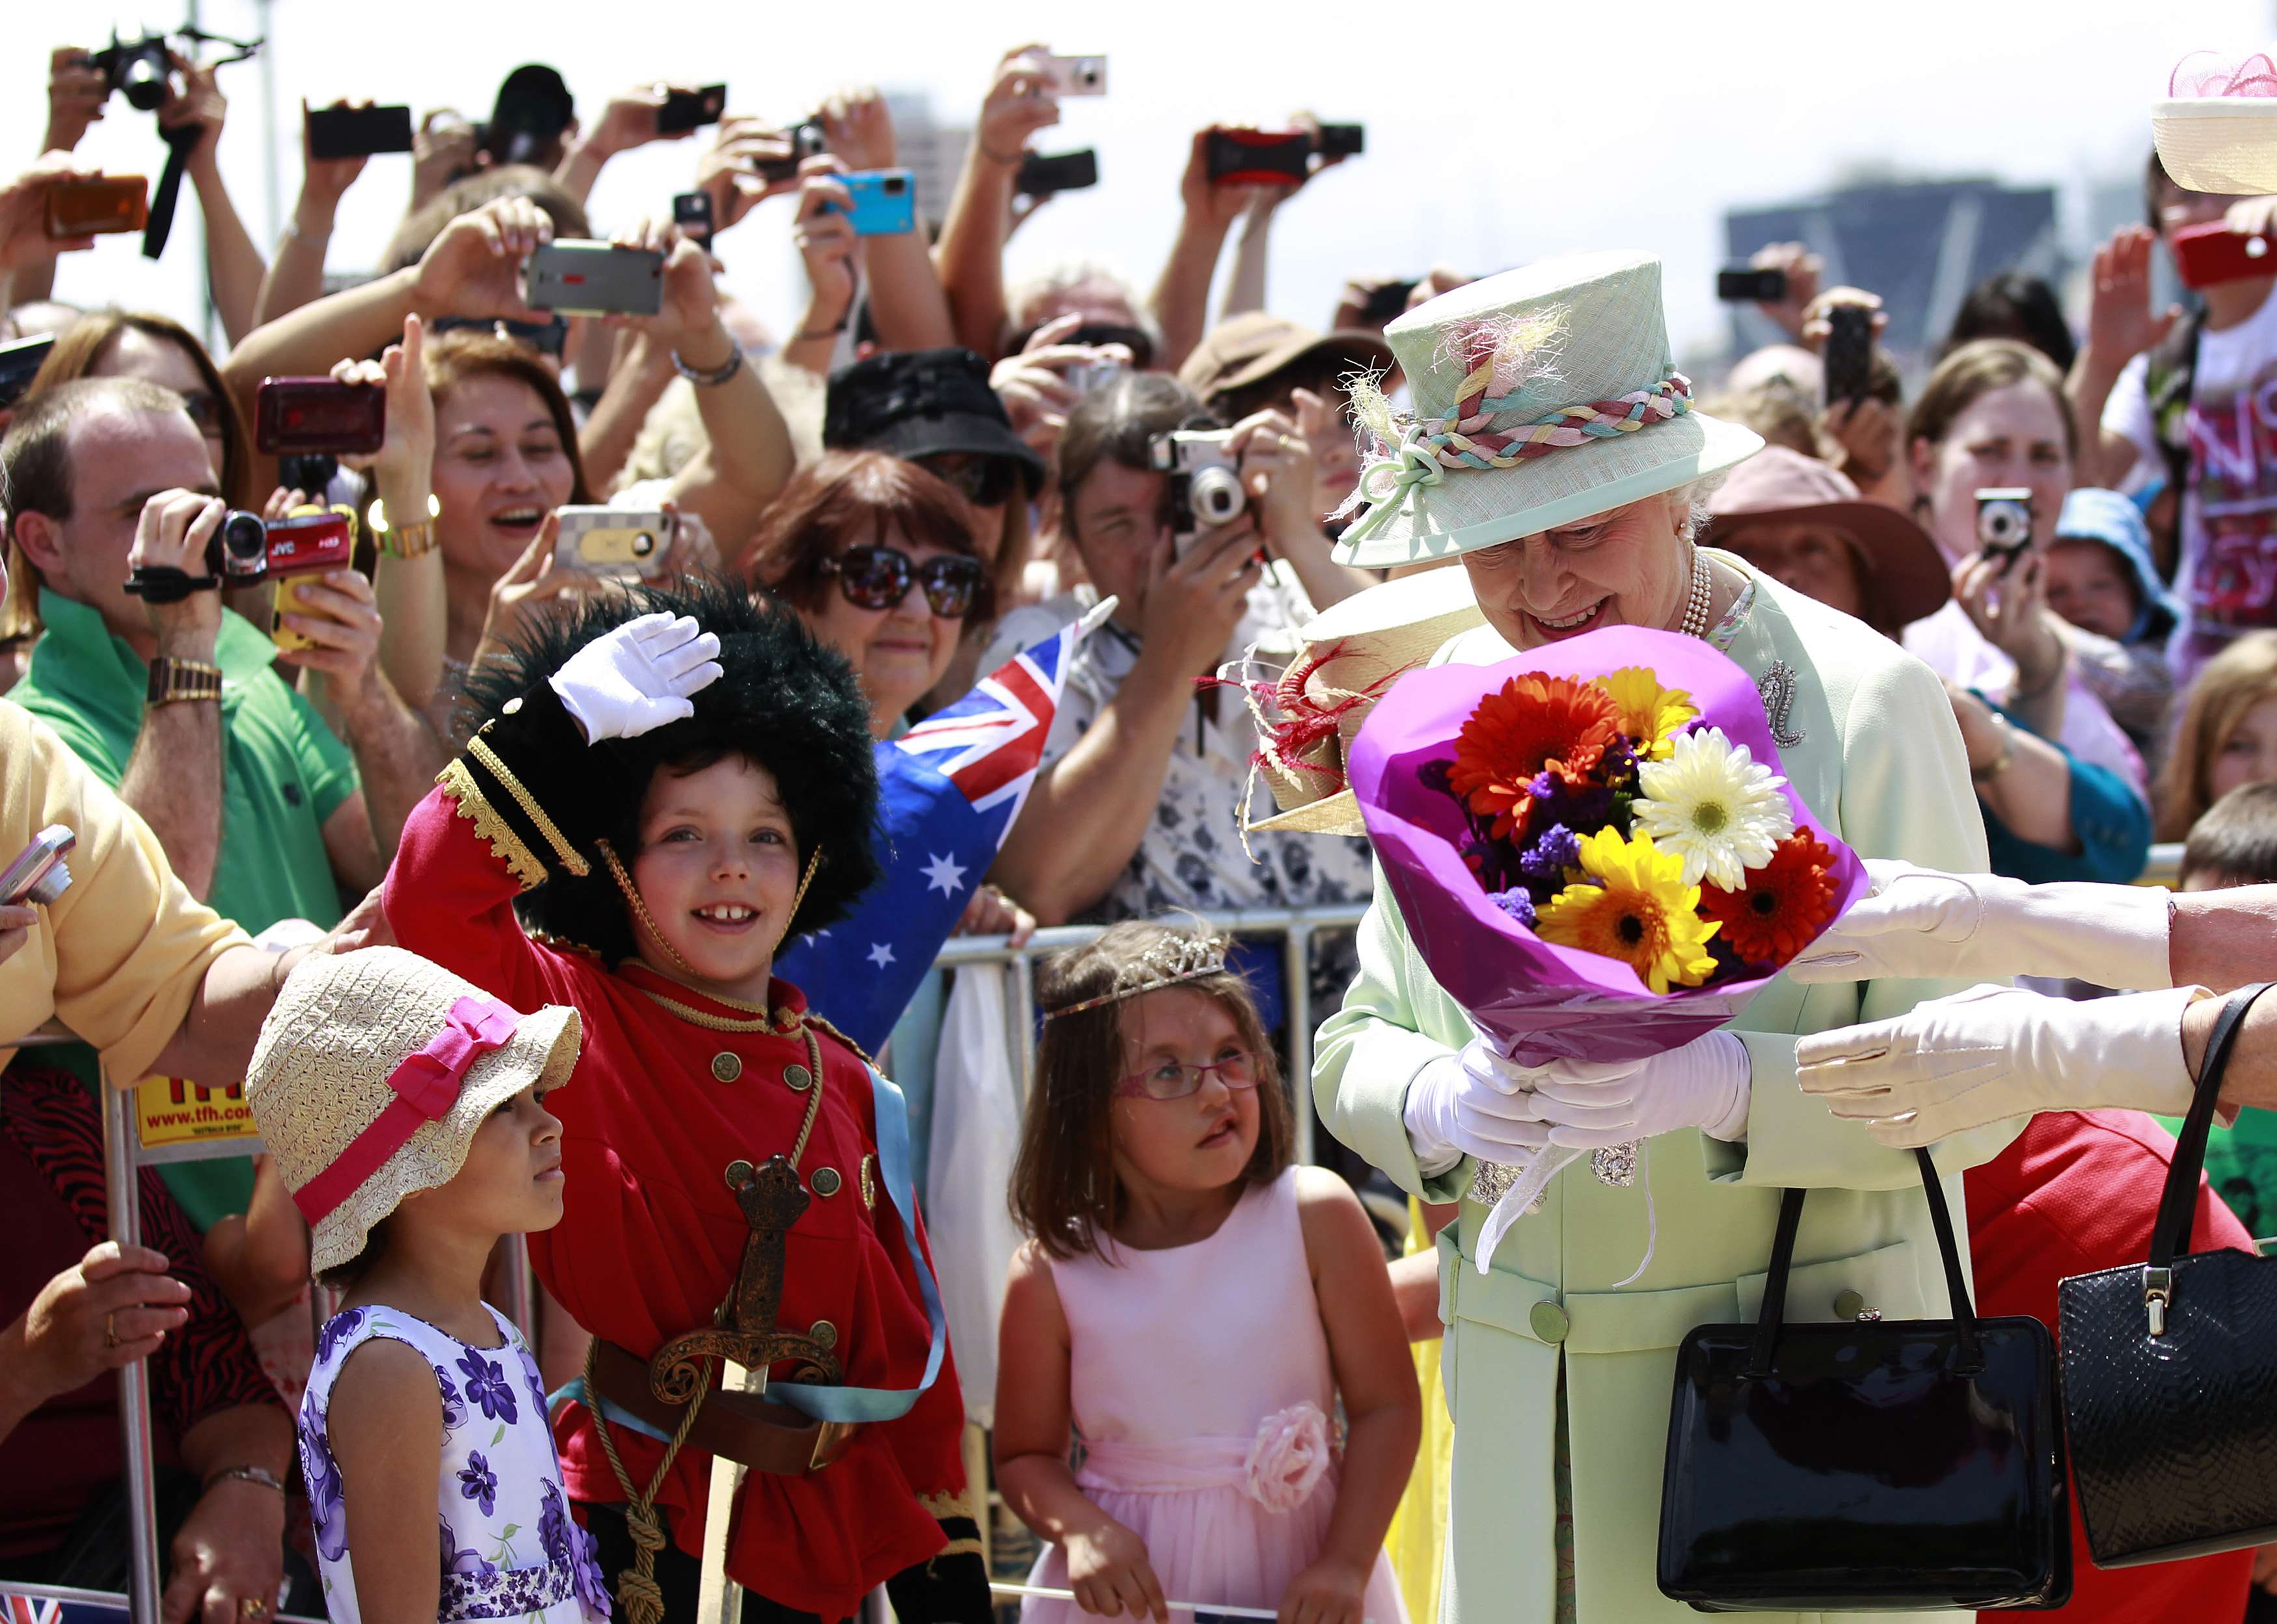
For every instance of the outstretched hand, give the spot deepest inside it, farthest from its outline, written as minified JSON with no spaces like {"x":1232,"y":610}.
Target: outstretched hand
{"x":638,"y":678}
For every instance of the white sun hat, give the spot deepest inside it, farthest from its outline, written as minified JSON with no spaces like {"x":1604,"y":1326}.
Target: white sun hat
{"x":1541,"y":396}
{"x":2217,"y":129}
{"x":372,"y":1073}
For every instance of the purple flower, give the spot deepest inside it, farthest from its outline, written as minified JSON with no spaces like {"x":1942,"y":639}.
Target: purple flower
{"x":487,"y":1388}
{"x":1516,"y":903}
{"x":1548,"y":858}
{"x":338,"y":1329}
{"x":553,"y":1523}
{"x":592,"y":1583}
{"x":321,"y":1476}
{"x":537,"y":1383}
{"x":478,"y":1483}
{"x":465,"y":1563}
{"x":454,"y":1408}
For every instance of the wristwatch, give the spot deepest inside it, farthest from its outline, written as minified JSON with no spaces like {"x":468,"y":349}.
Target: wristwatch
{"x":172,"y":680}
{"x":414,"y":540}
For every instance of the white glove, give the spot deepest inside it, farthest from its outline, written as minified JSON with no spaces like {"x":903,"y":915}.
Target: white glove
{"x":1996,"y":1052}
{"x":1920,"y":922}
{"x":638,"y":678}
{"x":1707,"y":1084}
{"x":1475,"y":1101}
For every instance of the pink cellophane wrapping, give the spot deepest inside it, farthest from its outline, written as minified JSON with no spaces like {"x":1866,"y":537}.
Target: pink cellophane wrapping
{"x":2207,"y":74}
{"x":1543,"y":1002}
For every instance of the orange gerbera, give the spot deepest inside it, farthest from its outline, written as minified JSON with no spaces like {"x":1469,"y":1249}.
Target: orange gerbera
{"x":1534,"y":725}
{"x":1782,"y":907}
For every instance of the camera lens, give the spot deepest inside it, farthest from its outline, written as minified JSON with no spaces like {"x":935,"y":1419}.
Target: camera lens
{"x":241,"y":551}
{"x":144,"y":83}
{"x":1217,"y":496}
{"x":2003,"y":524}
{"x":643,"y":544}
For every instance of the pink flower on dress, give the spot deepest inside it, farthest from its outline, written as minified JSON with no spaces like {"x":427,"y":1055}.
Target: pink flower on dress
{"x":1290,"y":1457}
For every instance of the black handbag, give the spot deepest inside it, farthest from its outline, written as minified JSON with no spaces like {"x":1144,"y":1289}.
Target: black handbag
{"x":1875,"y":1466}
{"x":2170,"y":1373}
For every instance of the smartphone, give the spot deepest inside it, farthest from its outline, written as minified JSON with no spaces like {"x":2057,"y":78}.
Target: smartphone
{"x":300,"y":415}
{"x":1746,"y":285}
{"x":691,"y":211}
{"x":39,"y":874}
{"x":1077,"y":75}
{"x":1848,"y":357}
{"x":884,"y":201}
{"x":1258,"y":158}
{"x":2004,"y":523}
{"x":1043,"y":176}
{"x":807,"y":138}
{"x":91,"y":208}
{"x":585,"y":278}
{"x":2205,"y":255}
{"x":626,"y":543}
{"x":357,"y":131}
{"x":690,"y":110}
{"x":1341,"y":141}
{"x":19,"y":363}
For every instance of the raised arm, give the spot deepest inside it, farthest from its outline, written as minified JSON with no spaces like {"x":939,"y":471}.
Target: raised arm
{"x":906,"y":301}
{"x":629,"y":121}
{"x":2122,"y":325}
{"x":970,"y":253}
{"x":233,"y":265}
{"x":296,"y":275}
{"x":1180,"y":299}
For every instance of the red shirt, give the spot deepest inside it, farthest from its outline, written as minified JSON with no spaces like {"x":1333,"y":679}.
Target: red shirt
{"x":2077,"y":1192}
{"x":651,"y":1238}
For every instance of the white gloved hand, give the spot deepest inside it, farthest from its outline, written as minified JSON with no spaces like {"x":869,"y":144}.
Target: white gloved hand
{"x":1920,"y":922}
{"x":637,"y":677}
{"x":1707,"y":1084}
{"x":1996,"y":1052}
{"x":1476,"y":1102}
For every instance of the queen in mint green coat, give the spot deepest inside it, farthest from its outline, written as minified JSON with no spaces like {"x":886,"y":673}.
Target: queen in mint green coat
{"x":1879,"y":760}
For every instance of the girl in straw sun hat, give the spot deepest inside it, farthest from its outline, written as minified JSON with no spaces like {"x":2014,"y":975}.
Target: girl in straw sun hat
{"x":405,"y":1109}
{"x":1555,"y":457}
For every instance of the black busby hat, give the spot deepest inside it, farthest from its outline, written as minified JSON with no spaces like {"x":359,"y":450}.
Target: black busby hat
{"x":789,"y":703}
{"x":917,"y":403}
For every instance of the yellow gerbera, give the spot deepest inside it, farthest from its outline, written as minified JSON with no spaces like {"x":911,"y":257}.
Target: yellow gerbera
{"x":1649,"y":713}
{"x":1641,"y":913}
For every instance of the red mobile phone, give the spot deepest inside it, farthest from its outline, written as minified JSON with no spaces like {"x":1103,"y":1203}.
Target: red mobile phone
{"x":1258,"y":158}
{"x":2208,"y":255}
{"x":91,"y":208}
{"x":295,"y":417}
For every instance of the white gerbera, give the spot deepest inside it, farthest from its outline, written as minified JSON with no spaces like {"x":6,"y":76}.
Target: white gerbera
{"x":1715,"y":806}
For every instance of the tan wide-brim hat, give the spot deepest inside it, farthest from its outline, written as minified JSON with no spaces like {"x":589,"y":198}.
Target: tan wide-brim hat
{"x":1565,"y":336}
{"x":2220,"y":144}
{"x":341,"y":1026}
{"x":1361,"y":645}
{"x":1906,"y":579}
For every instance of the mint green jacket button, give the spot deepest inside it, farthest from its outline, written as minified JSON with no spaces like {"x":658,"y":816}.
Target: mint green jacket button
{"x":1549,"y":1322}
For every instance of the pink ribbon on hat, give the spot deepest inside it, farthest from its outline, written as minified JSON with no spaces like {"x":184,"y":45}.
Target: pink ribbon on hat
{"x":426,"y":1086}
{"x":2204,"y":74}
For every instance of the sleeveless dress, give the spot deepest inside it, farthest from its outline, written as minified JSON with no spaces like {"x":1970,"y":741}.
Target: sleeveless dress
{"x":1203,"y":1398}
{"x":509,"y":1546}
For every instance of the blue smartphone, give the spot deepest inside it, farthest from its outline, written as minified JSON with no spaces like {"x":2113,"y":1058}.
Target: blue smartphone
{"x":884,"y":201}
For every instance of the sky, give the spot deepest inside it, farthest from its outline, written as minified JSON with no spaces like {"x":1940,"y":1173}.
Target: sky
{"x":1551,"y":130}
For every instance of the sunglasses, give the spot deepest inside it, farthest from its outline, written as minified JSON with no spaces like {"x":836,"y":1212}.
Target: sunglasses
{"x":986,"y":481}
{"x":547,"y":338}
{"x":880,"y":578}
{"x":1172,"y":1080}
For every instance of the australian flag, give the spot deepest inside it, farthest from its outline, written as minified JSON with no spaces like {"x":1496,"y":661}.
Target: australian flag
{"x":948,"y":791}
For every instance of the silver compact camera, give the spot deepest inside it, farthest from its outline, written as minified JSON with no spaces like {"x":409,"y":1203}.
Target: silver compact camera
{"x":2004,"y":523}
{"x":1205,"y":480}
{"x":38,"y":874}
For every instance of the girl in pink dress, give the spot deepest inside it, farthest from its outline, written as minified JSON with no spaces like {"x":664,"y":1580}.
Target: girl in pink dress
{"x":1189,"y":1312}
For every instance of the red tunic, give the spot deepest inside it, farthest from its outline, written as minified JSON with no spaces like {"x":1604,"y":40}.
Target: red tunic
{"x":651,"y":1238}
{"x":2077,"y":1192}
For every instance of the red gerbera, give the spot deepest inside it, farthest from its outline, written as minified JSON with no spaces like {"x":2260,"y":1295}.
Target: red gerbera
{"x":1783,"y":906}
{"x":1535,"y":724}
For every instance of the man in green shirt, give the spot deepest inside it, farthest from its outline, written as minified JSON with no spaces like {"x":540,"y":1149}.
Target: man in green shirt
{"x":265,"y":812}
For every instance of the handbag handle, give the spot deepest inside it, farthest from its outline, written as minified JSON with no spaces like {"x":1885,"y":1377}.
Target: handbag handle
{"x":1956,"y":1282}
{"x":2170,"y":1236}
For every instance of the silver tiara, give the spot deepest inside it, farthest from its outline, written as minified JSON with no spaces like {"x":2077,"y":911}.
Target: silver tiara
{"x":1177,"y":958}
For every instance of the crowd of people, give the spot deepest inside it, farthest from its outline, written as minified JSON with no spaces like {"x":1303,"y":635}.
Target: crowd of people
{"x":471,"y":859}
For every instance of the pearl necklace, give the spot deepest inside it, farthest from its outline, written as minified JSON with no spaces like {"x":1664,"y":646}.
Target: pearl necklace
{"x":1696,"y":608}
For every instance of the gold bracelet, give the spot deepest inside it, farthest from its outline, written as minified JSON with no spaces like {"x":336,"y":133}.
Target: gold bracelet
{"x":409,"y":540}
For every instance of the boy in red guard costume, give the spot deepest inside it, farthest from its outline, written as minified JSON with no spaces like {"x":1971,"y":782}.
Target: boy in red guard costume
{"x":676,"y":784}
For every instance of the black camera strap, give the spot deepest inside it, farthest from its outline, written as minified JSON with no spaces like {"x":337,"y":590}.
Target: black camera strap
{"x":162,"y":584}
{"x":178,"y":141}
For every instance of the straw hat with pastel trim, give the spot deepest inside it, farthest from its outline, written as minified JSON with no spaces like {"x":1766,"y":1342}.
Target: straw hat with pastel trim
{"x":1541,"y":396}
{"x":1351,"y":654}
{"x":2217,"y":128}
{"x":372,"y":1073}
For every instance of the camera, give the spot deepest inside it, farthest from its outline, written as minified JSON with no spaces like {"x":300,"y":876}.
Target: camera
{"x":807,"y":139}
{"x":248,"y":550}
{"x":1205,"y":479}
{"x":2004,"y":522}
{"x":137,"y":69}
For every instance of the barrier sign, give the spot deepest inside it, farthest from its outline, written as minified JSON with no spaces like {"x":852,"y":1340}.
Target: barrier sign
{"x":171,"y":1110}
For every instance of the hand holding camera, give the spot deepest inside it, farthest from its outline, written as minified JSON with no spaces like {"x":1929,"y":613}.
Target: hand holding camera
{"x":403,"y":467}
{"x":199,"y":106}
{"x":859,"y":128}
{"x":1021,"y":101}
{"x":748,"y":161}
{"x":330,"y":621}
{"x":1045,"y":381}
{"x":24,"y":238}
{"x":474,"y":266}
{"x":823,"y":232}
{"x":2123,"y":320}
{"x":635,"y":118}
{"x":1276,"y":463}
{"x":325,"y":181}
{"x":2004,"y":589}
{"x":1197,"y":590}
{"x":1802,"y":269}
{"x":77,"y":90}
{"x":176,"y":567}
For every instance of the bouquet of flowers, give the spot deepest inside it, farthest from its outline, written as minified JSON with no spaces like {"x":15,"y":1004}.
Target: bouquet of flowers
{"x":1592,"y":846}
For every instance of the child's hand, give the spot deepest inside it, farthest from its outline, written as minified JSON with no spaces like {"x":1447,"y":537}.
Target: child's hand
{"x":1332,"y":1591}
{"x":1110,"y":1576}
{"x":638,"y":676}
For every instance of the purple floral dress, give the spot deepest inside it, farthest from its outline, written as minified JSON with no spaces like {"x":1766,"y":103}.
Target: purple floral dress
{"x":509,"y":1547}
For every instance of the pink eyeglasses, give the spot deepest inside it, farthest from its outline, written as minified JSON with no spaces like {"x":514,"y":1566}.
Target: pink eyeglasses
{"x":1175,"y":1080}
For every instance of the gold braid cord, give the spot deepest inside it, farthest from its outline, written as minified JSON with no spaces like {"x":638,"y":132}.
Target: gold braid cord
{"x":472,"y":805}
{"x":480,"y":750}
{"x":641,"y":1598}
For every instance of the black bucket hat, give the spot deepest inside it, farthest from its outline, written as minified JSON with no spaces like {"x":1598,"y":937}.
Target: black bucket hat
{"x":919,"y":403}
